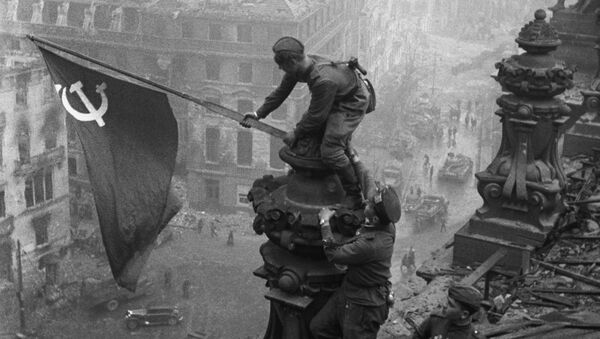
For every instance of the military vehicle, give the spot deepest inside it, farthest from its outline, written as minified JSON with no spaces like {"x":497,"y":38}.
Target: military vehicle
{"x":457,"y":167}
{"x":392,"y":176}
{"x":433,"y":209}
{"x":411,"y":203}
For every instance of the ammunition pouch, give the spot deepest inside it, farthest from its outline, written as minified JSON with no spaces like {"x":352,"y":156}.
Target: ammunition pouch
{"x":360,"y":73}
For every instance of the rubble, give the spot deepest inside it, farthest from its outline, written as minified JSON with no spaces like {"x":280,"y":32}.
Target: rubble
{"x":557,"y":298}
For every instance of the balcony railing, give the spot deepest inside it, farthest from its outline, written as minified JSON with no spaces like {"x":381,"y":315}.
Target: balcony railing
{"x":36,"y":162}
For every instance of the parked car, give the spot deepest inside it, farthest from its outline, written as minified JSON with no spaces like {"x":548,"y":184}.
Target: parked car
{"x":457,"y":167}
{"x":433,"y":209}
{"x":155,"y":315}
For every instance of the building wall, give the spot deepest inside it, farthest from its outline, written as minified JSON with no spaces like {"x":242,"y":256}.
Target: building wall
{"x":42,"y":117}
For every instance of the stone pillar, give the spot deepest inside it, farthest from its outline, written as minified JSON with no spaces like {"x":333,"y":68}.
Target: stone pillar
{"x":523,"y":187}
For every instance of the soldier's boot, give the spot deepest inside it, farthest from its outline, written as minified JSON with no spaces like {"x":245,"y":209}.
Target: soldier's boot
{"x":350,"y":184}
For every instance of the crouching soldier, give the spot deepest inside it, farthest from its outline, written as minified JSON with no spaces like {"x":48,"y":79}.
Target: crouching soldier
{"x":361,"y":305}
{"x":455,"y":322}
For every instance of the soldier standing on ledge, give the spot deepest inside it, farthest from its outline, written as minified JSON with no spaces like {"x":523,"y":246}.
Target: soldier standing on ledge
{"x":339,"y":99}
{"x":455,"y":322}
{"x":361,"y":305}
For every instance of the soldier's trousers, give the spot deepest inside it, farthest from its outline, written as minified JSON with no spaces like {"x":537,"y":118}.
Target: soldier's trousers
{"x":341,"y":123}
{"x":340,"y":318}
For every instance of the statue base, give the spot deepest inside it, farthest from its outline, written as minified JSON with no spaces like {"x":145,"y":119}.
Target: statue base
{"x":478,"y":239}
{"x":298,"y":288}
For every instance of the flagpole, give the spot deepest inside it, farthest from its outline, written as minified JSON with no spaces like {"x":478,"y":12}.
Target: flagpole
{"x":215,"y":108}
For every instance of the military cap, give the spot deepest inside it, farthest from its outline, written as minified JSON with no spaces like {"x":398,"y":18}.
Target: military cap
{"x":288,"y":44}
{"x":467,"y":296}
{"x":387,"y":204}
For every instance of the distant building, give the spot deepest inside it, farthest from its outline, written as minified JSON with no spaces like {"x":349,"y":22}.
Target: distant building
{"x":34,"y":206}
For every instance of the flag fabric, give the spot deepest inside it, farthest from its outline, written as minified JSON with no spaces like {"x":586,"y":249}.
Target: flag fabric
{"x":129,"y":137}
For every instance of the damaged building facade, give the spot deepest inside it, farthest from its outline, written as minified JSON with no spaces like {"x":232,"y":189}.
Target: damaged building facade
{"x":34,"y":208}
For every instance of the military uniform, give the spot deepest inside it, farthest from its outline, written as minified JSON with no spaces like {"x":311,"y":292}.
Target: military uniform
{"x":338,"y":103}
{"x":438,"y":327}
{"x":359,"y":307}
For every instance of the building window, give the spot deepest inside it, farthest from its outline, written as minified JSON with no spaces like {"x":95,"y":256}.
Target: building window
{"x":212,"y":190}
{"x":213,"y":69}
{"x":215,"y":32}
{"x":187,"y":29}
{"x":50,"y":141}
{"x":51,"y":273}
{"x":244,"y":148}
{"x":274,"y":160}
{"x":6,"y":261}
{"x":2,"y":204}
{"x":40,"y":226}
{"x":212,"y":144}
{"x":131,"y":19}
{"x":280,"y":113}
{"x":23,"y":143}
{"x":22,"y":88}
{"x":38,"y":188}
{"x":72,"y":166}
{"x":242,"y":195}
{"x":245,"y":72}
{"x":244,"y":33}
{"x":245,"y":106}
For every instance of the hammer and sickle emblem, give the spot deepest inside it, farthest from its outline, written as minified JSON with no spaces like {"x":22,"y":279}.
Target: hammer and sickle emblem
{"x":93,"y":113}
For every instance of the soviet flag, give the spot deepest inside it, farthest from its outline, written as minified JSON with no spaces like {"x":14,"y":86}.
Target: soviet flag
{"x":129,"y":138}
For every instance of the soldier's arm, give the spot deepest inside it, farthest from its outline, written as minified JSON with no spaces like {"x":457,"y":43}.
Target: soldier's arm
{"x":354,"y":253}
{"x":277,"y":97}
{"x":322,"y":98}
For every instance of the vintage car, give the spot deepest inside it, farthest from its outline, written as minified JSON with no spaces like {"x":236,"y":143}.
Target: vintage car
{"x":432,"y":211}
{"x":154,"y":315}
{"x":457,"y":167}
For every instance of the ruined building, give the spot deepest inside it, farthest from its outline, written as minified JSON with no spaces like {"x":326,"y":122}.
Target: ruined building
{"x":34,"y":208}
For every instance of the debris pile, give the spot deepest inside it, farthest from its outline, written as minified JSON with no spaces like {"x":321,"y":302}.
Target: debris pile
{"x":559,"y":296}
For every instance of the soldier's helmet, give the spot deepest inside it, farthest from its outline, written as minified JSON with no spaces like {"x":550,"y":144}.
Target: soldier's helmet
{"x":288,"y":44}
{"x":387,"y":204}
